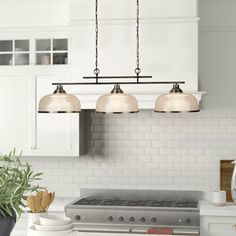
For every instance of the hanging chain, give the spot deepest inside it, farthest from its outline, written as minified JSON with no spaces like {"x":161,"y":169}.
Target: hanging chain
{"x":96,"y":70}
{"x":137,"y":70}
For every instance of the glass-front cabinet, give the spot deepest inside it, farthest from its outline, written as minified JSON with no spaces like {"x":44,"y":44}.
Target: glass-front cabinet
{"x":14,"y":52}
{"x":51,"y":51}
{"x":23,"y":52}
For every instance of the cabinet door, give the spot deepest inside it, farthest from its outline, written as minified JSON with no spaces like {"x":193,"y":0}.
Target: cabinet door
{"x":53,"y":134}
{"x":15,"y":52}
{"x":218,"y":226}
{"x":51,"y":51}
{"x":15,"y":112}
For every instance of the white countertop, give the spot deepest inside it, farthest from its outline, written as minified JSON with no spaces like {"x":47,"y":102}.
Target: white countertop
{"x":56,"y":207}
{"x":208,"y":209}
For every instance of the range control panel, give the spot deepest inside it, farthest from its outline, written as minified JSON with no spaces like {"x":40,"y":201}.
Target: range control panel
{"x":134,"y":217}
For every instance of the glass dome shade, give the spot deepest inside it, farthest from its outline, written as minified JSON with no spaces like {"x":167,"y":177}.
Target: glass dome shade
{"x":117,"y":102}
{"x":59,"y":102}
{"x":176,"y":102}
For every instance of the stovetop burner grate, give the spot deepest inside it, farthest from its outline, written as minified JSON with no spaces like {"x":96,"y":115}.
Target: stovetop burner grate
{"x":130,"y":203}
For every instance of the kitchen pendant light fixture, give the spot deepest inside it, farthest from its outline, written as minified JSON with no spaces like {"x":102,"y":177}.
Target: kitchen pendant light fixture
{"x":117,"y":101}
{"x":59,"y":102}
{"x":176,"y":101}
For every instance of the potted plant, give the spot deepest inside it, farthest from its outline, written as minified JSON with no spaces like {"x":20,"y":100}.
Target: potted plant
{"x":16,"y":180}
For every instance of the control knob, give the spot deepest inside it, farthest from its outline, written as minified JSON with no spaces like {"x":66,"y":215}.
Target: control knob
{"x":142,"y":219}
{"x":131,"y":219}
{"x":187,"y":221}
{"x":77,"y":217}
{"x":110,"y":218}
{"x":121,"y":218}
{"x":153,"y":219}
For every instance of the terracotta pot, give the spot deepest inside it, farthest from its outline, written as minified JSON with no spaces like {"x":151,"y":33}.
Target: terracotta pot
{"x":7,"y":224}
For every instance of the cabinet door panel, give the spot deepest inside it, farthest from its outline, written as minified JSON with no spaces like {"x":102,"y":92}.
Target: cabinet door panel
{"x":56,"y":134}
{"x":218,"y":226}
{"x":15,"y":112}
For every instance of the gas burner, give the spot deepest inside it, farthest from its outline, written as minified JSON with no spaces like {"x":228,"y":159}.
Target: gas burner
{"x":106,"y":202}
{"x":135,"y":203}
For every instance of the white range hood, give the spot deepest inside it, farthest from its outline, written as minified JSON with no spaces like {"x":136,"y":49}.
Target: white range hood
{"x":168,"y":46}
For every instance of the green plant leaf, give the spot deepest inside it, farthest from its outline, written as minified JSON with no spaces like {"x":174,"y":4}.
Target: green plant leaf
{"x":16,"y":180}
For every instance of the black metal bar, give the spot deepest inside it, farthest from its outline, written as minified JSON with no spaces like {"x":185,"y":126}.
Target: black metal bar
{"x":104,"y":83}
{"x":117,"y":77}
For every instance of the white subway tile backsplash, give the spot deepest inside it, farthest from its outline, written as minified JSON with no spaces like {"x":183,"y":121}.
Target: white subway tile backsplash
{"x":147,"y":151}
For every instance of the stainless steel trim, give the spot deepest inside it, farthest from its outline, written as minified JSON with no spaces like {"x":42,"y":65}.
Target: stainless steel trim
{"x":140,"y":194}
{"x":135,"y":230}
{"x":183,"y":195}
{"x":186,"y":231}
{"x":58,"y":112}
{"x":177,"y":111}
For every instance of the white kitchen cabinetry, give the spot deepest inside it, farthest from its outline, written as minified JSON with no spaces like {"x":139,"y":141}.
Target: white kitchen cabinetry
{"x":218,"y":226}
{"x":217,"y":221}
{"x":34,"y":51}
{"x":54,"y":134}
{"x":30,"y":61}
{"x":25,"y":129}
{"x":14,"y":52}
{"x":15,"y":111}
{"x":52,"y":51}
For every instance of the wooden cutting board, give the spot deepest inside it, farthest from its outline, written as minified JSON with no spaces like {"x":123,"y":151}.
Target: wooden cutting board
{"x":226,"y":171}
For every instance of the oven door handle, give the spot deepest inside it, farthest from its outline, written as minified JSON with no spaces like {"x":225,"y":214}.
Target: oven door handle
{"x":180,"y":232}
{"x":186,"y":232}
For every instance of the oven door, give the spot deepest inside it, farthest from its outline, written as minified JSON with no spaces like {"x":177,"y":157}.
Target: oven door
{"x":134,"y":231}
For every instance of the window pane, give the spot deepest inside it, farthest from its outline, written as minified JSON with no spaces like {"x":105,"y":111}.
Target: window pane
{"x":60,"y":58}
{"x":6,"y":45}
{"x":22,"y":59}
{"x":43,"y":59}
{"x":60,"y":44}
{"x":5,"y":59}
{"x":21,"y":45}
{"x":43,"y":44}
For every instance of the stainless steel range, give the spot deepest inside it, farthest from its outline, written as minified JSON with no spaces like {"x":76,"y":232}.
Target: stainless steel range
{"x":136,"y":211}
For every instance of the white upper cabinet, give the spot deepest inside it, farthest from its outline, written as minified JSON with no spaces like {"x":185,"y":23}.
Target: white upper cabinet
{"x":15,"y":112}
{"x":54,"y":134}
{"x":34,"y":51}
{"x":29,"y":64}
{"x":14,"y":52}
{"x":52,"y":51}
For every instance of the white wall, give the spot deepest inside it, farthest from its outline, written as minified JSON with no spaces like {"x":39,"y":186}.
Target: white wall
{"x":217,"y":58}
{"x":124,"y":9}
{"x":33,"y":13}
